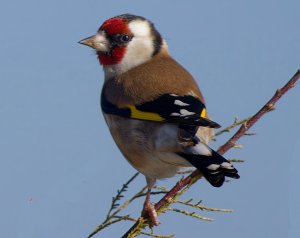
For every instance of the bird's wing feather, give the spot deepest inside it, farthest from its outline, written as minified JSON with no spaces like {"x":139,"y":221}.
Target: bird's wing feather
{"x":212,"y":165}
{"x":171,"y":108}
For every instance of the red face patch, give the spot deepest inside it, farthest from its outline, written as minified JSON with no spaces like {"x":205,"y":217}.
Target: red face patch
{"x":113,"y":26}
{"x":114,"y":57}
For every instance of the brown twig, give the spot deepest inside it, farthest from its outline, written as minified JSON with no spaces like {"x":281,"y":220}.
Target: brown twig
{"x":266,"y":108}
{"x":229,"y":128}
{"x":193,"y":177}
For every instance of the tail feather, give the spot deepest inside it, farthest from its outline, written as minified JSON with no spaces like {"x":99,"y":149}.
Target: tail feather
{"x":214,"y":167}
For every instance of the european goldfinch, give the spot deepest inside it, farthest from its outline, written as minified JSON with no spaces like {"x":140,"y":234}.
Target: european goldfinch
{"x":153,"y":106}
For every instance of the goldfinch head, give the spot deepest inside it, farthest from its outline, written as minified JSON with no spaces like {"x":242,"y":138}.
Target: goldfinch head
{"x":125,"y":41}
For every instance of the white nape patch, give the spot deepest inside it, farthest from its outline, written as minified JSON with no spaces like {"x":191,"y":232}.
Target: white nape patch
{"x":173,"y":95}
{"x":174,"y":114}
{"x":165,"y":46}
{"x":226,"y":165}
{"x":186,"y":112}
{"x":213,"y":167}
{"x":180,"y":103}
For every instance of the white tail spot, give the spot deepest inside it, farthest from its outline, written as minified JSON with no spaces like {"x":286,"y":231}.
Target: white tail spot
{"x":213,"y":167}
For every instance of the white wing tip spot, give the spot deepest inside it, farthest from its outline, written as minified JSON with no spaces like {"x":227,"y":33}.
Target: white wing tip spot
{"x":186,"y":112}
{"x":213,"y":167}
{"x":174,"y":114}
{"x":226,"y":165}
{"x":180,"y":103}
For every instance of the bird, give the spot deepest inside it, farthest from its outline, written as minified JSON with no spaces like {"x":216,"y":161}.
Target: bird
{"x":153,"y":106}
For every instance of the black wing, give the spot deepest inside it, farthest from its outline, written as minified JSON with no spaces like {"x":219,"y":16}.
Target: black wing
{"x":187,"y":111}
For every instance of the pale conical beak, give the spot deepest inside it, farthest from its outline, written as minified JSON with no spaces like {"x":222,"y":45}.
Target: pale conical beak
{"x":97,"y":42}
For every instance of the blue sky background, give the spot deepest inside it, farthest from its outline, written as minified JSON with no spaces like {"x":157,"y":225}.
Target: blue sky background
{"x":60,"y":167}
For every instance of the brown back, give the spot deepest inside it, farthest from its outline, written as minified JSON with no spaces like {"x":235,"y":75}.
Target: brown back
{"x":160,"y":75}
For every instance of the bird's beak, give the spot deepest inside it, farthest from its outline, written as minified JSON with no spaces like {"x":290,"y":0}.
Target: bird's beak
{"x":97,"y":42}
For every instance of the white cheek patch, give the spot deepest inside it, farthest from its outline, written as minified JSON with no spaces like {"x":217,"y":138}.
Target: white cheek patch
{"x":140,"y":48}
{"x":140,"y":28}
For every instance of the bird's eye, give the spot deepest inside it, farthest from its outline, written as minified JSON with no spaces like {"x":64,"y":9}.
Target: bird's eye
{"x":125,"y":38}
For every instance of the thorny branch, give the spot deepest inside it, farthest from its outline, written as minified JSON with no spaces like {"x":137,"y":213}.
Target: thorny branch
{"x":233,"y":125}
{"x":119,"y":195}
{"x":115,"y":208}
{"x":163,"y":204}
{"x":266,"y":108}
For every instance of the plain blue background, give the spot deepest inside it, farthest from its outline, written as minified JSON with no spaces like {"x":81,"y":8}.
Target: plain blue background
{"x":59,"y":166}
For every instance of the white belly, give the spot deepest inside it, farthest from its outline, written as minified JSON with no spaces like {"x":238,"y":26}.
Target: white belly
{"x":149,"y":147}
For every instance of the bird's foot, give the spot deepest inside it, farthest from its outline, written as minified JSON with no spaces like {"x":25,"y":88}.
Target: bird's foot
{"x":150,"y":210}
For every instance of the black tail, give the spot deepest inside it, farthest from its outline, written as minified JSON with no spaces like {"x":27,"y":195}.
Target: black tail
{"x":214,"y":167}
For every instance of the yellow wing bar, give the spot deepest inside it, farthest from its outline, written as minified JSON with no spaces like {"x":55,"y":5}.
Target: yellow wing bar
{"x":149,"y":116}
